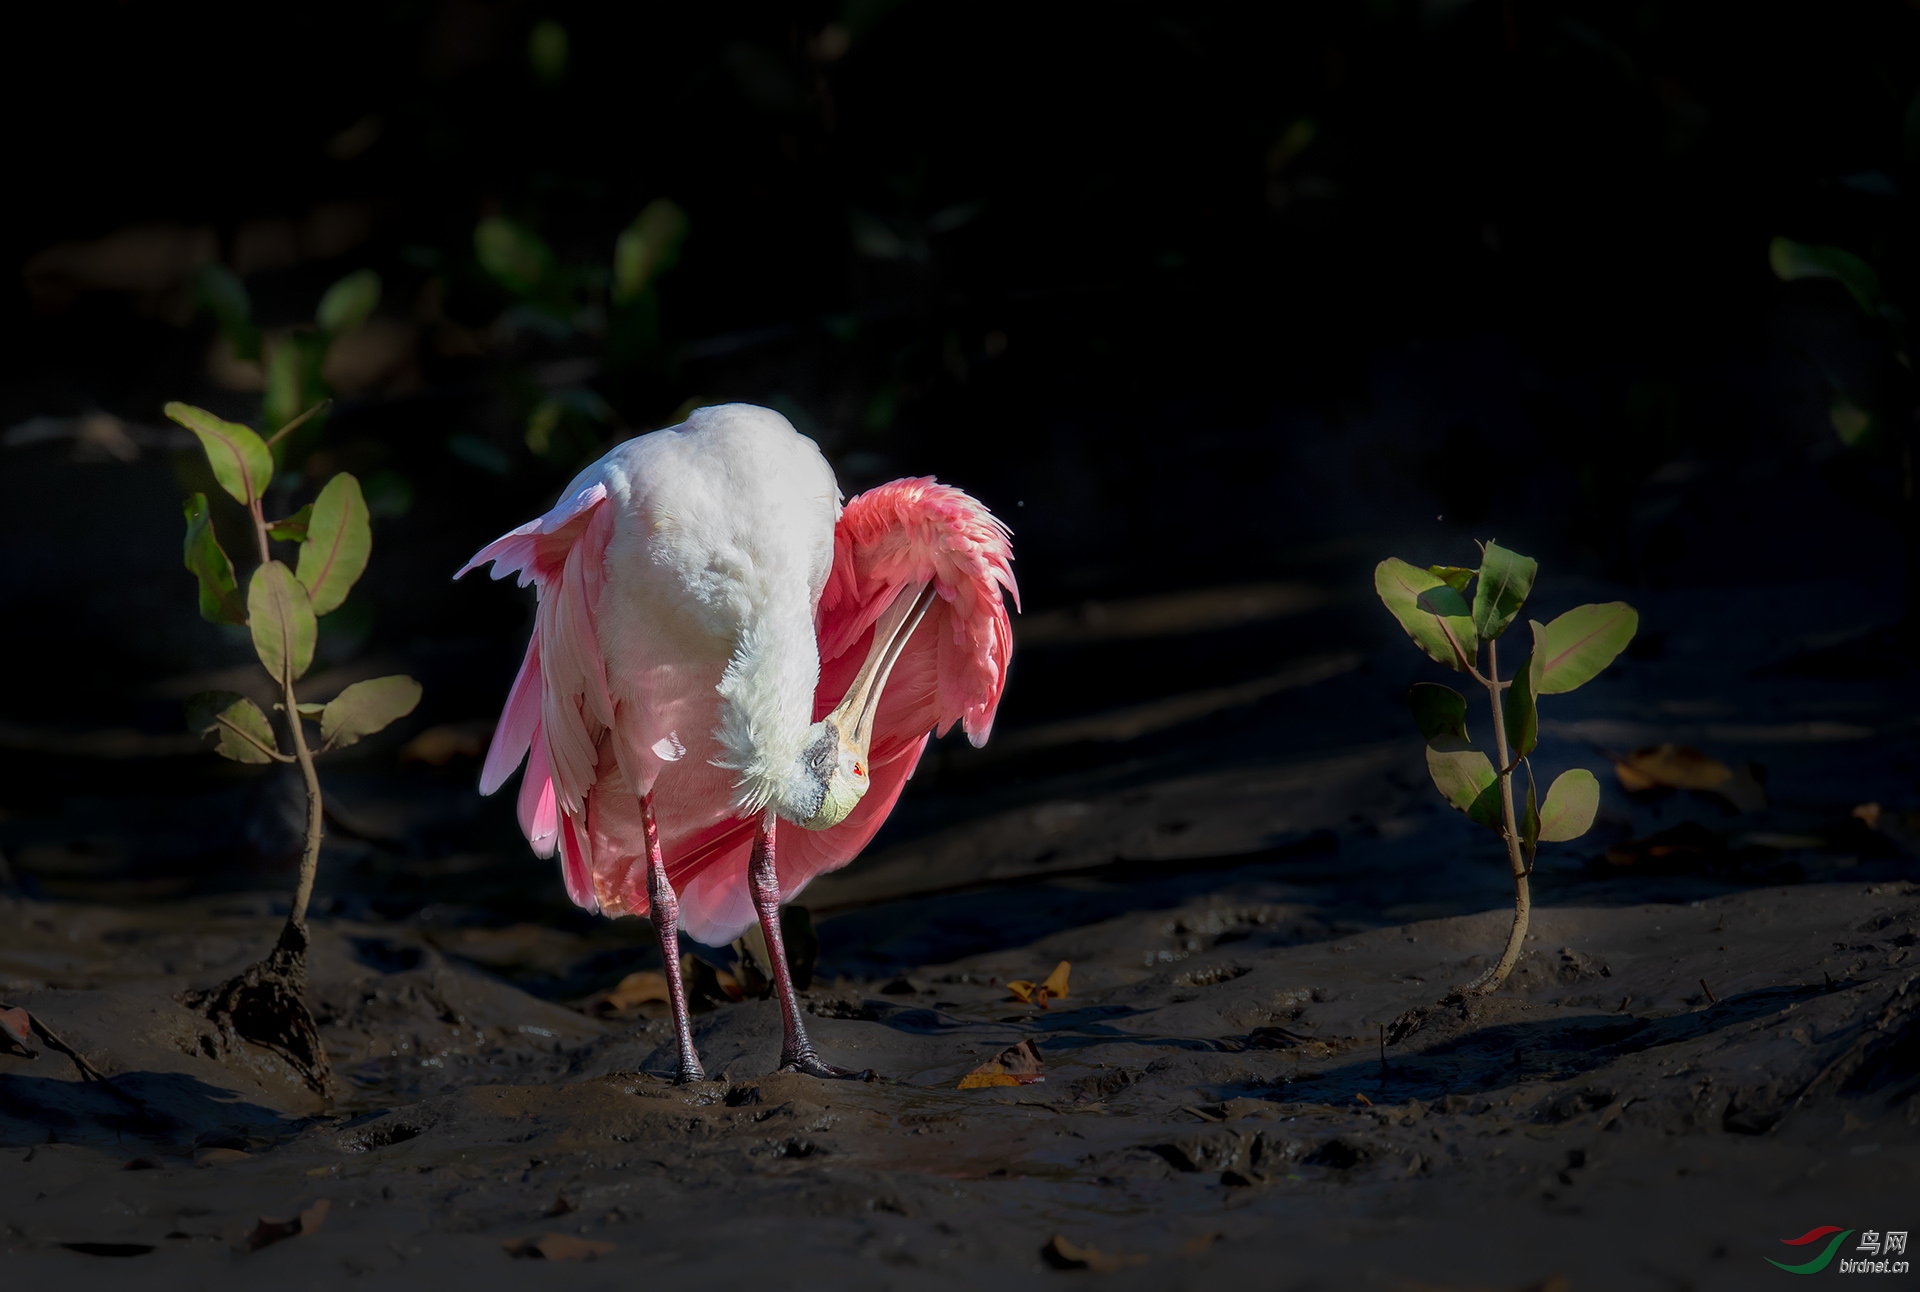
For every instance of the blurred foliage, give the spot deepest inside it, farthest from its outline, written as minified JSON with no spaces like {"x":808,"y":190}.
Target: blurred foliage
{"x":293,"y":359}
{"x":938,"y":224}
{"x":606,"y":320}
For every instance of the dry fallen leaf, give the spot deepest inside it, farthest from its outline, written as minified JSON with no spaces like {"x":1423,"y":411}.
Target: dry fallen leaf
{"x":219,"y":1156}
{"x":1679,"y":766}
{"x":632,"y":991}
{"x":270,"y":1231}
{"x":1018,"y":1065}
{"x":1056,"y":983}
{"x":1072,"y":1256}
{"x":1054,"y":988}
{"x":557,"y":1247}
{"x":1682,"y":767}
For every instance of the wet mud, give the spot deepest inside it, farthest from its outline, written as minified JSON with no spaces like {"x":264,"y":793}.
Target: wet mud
{"x":1217,"y":1101}
{"x":1709,"y":1046}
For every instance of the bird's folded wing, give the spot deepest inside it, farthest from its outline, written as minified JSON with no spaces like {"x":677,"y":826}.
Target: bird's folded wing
{"x":559,"y":706}
{"x":953,"y":670}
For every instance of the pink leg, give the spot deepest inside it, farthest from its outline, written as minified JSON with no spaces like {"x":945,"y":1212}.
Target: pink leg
{"x":664,"y":910}
{"x":796,"y":1051}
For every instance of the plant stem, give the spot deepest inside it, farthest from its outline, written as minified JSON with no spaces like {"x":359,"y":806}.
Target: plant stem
{"x":298,"y":422}
{"x":1491,"y":980}
{"x":260,"y":530}
{"x":310,"y":856}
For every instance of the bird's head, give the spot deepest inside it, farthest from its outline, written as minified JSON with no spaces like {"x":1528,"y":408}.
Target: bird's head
{"x":837,"y":745}
{"x":837,"y":764}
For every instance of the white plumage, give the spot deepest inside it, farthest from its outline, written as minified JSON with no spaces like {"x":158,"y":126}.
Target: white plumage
{"x":724,"y":542}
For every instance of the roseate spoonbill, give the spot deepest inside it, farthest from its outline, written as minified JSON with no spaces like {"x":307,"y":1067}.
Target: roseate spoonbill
{"x":719,"y":647}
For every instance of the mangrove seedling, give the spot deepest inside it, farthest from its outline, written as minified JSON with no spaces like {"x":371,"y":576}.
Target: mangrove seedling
{"x":280,"y":609}
{"x":1452,"y":613}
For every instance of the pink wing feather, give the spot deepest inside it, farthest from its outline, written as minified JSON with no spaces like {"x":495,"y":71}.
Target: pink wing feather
{"x":559,"y":707}
{"x":954,"y":669}
{"x":576,"y":799}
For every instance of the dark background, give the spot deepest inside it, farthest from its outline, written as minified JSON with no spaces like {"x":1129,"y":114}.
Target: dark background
{"x":1192,"y":295}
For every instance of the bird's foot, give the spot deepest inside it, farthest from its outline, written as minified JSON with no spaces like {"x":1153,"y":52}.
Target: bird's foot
{"x":813,"y":1065}
{"x":688,"y":1074}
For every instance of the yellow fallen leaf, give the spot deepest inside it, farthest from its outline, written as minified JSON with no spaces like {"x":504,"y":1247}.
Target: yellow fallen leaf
{"x":1056,"y":983}
{"x":1682,"y":767}
{"x":981,"y":1080}
{"x":1073,"y":1256}
{"x":219,"y":1156}
{"x":557,"y":1247}
{"x":1679,"y":766}
{"x":638,"y":989}
{"x":1018,"y":1065}
{"x":1054,"y":988}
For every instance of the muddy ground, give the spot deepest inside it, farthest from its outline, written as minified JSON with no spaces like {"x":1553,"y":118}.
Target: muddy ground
{"x":1711,"y":1045}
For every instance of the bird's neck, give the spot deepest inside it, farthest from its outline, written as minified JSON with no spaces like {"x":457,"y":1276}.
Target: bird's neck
{"x":766,"y":711}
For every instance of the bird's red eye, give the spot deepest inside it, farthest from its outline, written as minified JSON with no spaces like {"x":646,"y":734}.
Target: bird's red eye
{"x":858,"y":770}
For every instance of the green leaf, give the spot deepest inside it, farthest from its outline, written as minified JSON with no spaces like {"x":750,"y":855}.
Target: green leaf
{"x":366,"y":707}
{"x":1485,"y":809}
{"x":517,"y":258}
{"x":207,"y":561}
{"x":647,"y":248}
{"x":1572,"y":800}
{"x":220,"y":292}
{"x":1446,"y":603}
{"x":1792,"y":260}
{"x":294,"y":528}
{"x":1465,"y":778}
{"x":1456,"y":577}
{"x":245,"y":735}
{"x":348,"y":303}
{"x":1521,"y":709}
{"x":1401,"y":586}
{"x":339,"y":540}
{"x":1438,"y":710}
{"x":281,"y":617}
{"x":311,"y":710}
{"x":240,"y":460}
{"x":1505,"y":579}
{"x":1574,"y":648}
